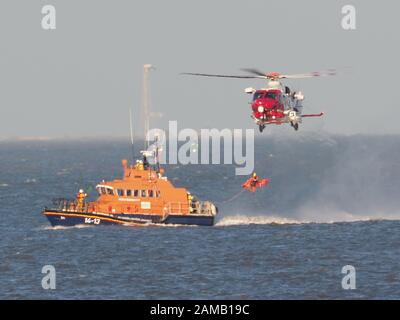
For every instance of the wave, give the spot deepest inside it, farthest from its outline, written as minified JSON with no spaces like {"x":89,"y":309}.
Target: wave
{"x":29,"y":181}
{"x":236,"y":220}
{"x":78,"y":226}
{"x":247,"y":220}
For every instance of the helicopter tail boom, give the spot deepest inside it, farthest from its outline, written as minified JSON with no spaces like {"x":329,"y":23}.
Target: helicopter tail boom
{"x":312,"y":115}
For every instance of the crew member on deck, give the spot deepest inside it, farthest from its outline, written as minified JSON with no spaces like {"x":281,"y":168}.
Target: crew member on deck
{"x":80,"y":199}
{"x":146,"y":163}
{"x":139,"y":165}
{"x":190,"y":200}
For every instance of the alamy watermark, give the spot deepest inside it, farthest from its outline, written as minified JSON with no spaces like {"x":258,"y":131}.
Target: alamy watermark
{"x":49,"y":280}
{"x":348,"y":21}
{"x":349,"y":17}
{"x":49,"y":17}
{"x":189,"y":146}
{"x":349,"y":280}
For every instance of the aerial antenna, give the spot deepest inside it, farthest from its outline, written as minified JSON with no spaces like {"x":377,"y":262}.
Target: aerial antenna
{"x":131,"y":131}
{"x":157,"y":155}
{"x":146,"y":101}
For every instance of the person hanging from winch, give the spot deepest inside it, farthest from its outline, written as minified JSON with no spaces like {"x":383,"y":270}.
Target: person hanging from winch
{"x":254,"y":182}
{"x":80,"y":200}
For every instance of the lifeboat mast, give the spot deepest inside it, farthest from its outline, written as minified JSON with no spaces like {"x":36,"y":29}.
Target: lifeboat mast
{"x":146,"y":101}
{"x":147,"y":115}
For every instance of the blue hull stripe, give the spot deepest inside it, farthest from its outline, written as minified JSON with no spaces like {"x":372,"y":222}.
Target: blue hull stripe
{"x":60,"y":218}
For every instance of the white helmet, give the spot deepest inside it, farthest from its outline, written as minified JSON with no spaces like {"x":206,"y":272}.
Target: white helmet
{"x":80,"y":190}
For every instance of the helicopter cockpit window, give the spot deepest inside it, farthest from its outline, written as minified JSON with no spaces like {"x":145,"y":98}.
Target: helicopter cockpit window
{"x":258,"y":95}
{"x":270,"y":95}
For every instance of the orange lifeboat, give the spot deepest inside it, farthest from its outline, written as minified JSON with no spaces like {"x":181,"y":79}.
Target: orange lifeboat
{"x":143,"y":196}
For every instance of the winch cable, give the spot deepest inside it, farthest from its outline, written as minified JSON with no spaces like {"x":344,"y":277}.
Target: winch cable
{"x":234,"y":197}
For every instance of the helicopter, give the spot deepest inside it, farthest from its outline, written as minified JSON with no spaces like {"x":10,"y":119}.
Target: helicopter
{"x":276,"y":103}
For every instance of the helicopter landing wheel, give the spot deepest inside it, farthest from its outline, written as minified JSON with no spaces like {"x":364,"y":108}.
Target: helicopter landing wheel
{"x":261,"y":127}
{"x":296,"y":126}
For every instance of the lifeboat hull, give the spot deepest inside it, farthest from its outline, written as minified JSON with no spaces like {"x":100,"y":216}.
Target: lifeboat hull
{"x":73,"y":218}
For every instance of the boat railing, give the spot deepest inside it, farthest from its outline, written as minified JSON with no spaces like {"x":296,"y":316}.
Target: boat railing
{"x":176,"y":207}
{"x":196,"y":207}
{"x":69,"y":205}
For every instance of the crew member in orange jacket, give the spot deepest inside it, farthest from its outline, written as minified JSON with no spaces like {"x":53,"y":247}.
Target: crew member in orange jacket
{"x":80,"y":199}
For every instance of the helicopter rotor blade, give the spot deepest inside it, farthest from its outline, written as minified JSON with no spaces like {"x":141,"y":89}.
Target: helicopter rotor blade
{"x":223,"y":75}
{"x":254,"y":71}
{"x":257,"y":74}
{"x":330,"y":72}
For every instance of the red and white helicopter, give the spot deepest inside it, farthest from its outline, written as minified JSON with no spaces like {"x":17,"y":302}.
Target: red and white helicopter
{"x":275,"y":104}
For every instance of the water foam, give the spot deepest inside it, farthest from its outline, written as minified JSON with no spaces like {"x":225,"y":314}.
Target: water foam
{"x":247,"y":220}
{"x":334,"y":217}
{"x":78,"y":226}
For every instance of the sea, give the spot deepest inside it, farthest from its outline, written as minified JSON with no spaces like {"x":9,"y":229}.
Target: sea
{"x":326,"y":227}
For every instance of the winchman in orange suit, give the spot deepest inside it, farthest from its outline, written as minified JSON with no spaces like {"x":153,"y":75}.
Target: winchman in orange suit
{"x":80,"y":199}
{"x":254,"y":182}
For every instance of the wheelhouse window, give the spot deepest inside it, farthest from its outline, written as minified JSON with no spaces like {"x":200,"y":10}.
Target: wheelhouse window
{"x":103,"y":190}
{"x":120,"y":192}
{"x":143,"y":193}
{"x":136,"y":193}
{"x":110,"y":191}
{"x":128,"y":193}
{"x":158,"y":193}
{"x":151,"y":193}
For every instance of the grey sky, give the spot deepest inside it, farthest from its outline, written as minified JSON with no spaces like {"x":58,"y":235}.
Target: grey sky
{"x":80,"y":79}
